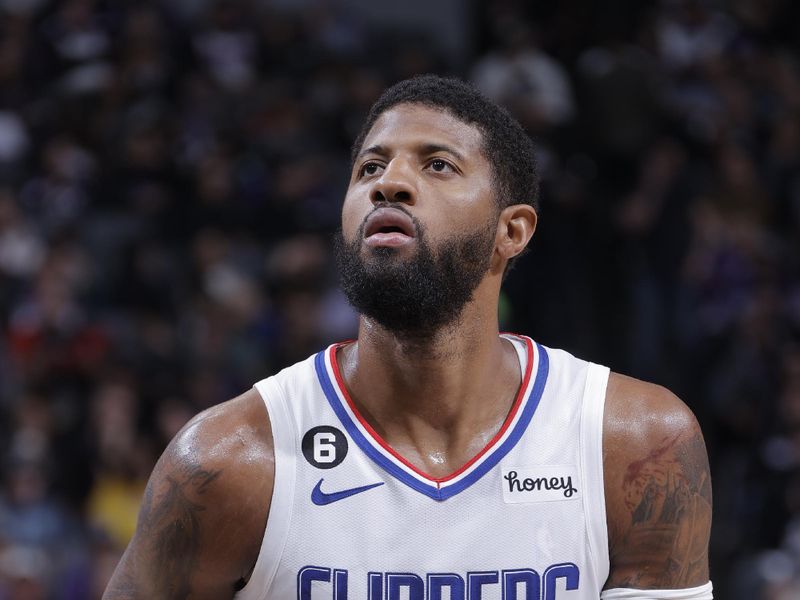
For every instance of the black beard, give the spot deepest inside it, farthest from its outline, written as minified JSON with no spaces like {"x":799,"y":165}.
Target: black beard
{"x":418,"y":296}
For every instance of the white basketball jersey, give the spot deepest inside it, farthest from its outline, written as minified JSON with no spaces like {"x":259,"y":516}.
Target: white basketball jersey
{"x":351,"y":519}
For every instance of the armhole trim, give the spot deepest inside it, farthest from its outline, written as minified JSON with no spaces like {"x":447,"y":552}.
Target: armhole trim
{"x":594,"y":498}
{"x":280,"y":511}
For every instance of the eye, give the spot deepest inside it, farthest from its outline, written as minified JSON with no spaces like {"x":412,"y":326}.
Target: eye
{"x":370,"y":168}
{"x":440,"y":165}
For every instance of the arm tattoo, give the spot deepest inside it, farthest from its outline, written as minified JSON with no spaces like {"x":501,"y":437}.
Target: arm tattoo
{"x":668,"y":495}
{"x":172,"y":525}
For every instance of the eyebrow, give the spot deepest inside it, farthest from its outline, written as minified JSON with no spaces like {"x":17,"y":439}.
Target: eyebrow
{"x":377,"y":149}
{"x":434,"y":148}
{"x":430,"y":148}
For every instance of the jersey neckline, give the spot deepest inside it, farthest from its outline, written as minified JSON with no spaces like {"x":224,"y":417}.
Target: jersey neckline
{"x":438,"y":488}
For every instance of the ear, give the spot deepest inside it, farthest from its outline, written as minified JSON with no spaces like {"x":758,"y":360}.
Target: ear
{"x":514,"y":230}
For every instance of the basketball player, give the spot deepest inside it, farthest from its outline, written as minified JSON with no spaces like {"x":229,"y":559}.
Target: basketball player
{"x":432,"y":458}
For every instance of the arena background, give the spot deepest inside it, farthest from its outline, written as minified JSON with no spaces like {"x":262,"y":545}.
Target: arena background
{"x":171,"y":173}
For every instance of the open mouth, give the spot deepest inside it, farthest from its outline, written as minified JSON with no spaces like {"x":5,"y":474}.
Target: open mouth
{"x":388,"y":227}
{"x":391,"y":229}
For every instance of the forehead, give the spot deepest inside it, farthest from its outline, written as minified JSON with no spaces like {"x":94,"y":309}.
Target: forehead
{"x":409,"y":124}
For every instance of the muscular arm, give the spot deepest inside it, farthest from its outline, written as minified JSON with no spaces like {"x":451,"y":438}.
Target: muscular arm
{"x":204,"y":510}
{"x":658,"y":489}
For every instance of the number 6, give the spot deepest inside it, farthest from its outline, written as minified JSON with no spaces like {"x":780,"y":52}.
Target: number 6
{"x":324,"y":447}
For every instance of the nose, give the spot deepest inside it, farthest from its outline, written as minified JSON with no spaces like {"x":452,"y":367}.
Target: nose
{"x":395,"y":184}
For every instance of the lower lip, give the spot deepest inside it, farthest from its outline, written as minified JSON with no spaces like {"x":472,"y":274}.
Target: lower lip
{"x":391,"y":240}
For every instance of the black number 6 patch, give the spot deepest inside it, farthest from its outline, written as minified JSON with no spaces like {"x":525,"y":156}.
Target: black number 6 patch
{"x":324,"y":447}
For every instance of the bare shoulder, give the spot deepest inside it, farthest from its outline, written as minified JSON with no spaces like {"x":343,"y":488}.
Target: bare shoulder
{"x":636,"y":410}
{"x":205,"y":507}
{"x":658,"y":488}
{"x":225,"y":454}
{"x":235,"y":436}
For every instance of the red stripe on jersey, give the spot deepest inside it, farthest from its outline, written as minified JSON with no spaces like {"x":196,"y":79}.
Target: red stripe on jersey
{"x":383,"y":444}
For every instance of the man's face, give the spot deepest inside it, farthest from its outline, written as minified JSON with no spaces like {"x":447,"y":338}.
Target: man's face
{"x":419,"y":220}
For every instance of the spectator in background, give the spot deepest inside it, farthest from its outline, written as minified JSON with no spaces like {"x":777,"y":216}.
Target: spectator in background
{"x":526,"y":80}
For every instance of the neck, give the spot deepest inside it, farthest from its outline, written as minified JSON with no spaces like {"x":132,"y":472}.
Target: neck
{"x":450,"y":358}
{"x":448,"y":392}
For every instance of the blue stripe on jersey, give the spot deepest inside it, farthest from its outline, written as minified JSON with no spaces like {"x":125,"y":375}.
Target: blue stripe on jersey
{"x":359,"y":438}
{"x":447,"y":490}
{"x":528,"y":409}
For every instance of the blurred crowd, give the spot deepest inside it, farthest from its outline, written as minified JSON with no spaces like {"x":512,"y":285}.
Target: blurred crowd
{"x":171,"y":173}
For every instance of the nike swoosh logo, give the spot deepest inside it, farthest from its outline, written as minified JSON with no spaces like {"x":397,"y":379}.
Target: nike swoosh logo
{"x":321,"y":498}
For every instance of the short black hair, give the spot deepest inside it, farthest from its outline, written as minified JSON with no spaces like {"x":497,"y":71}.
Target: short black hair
{"x":506,"y":145}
